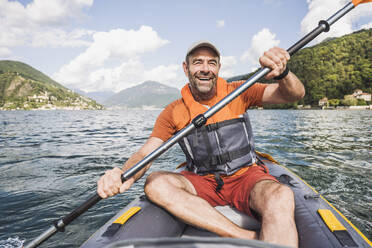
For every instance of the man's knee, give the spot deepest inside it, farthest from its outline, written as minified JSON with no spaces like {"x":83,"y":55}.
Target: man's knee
{"x":160,"y":185}
{"x":155,"y":183}
{"x":275,"y":198}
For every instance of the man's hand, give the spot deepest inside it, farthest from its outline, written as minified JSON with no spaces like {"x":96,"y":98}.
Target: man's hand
{"x":110,"y":183}
{"x":276,"y":59}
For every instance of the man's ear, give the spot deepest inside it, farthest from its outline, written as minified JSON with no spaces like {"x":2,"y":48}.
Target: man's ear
{"x":185,"y":68}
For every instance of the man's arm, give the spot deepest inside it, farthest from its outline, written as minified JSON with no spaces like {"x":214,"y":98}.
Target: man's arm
{"x":110,"y":183}
{"x":289,"y":88}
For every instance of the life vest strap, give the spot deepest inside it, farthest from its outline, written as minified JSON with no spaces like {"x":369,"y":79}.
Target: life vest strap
{"x":215,"y":126}
{"x":219,"y":181}
{"x":223,"y":158}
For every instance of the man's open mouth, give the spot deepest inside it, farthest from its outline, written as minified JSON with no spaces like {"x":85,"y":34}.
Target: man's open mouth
{"x":204,"y":78}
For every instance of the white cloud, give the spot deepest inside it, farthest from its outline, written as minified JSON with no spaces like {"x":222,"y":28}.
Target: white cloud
{"x":93,"y":71}
{"x":261,"y":42}
{"x":5,"y":52}
{"x":61,"y":38}
{"x":42,"y":23}
{"x":221,"y":23}
{"x":127,"y":74}
{"x":228,"y":64}
{"x":322,"y":10}
{"x":367,"y":26}
{"x":55,"y":11}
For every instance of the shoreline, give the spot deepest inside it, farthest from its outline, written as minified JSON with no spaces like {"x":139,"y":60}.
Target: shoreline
{"x":159,"y":109}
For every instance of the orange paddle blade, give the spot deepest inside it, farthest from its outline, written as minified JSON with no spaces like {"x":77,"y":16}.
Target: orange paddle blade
{"x":356,"y":2}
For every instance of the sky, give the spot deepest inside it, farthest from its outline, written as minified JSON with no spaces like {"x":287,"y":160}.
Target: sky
{"x":111,"y":45}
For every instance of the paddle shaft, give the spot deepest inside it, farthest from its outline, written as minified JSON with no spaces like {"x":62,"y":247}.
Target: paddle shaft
{"x":196,"y":122}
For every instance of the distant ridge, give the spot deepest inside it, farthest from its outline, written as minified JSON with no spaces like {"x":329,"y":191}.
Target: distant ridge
{"x":26,"y":71}
{"x":22,"y":87}
{"x":149,"y":94}
{"x":98,"y":96}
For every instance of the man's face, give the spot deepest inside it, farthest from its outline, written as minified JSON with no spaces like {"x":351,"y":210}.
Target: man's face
{"x":202,"y":69}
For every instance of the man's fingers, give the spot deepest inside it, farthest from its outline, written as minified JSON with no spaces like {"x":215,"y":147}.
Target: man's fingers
{"x":276,"y":59}
{"x":267,"y":62}
{"x":100,"y":191}
{"x":126,"y":185}
{"x":109,"y":184}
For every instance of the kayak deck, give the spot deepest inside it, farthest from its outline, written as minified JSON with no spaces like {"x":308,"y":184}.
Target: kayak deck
{"x":151,"y":224}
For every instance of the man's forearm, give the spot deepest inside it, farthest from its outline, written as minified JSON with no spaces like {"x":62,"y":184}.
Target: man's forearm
{"x":291,"y":88}
{"x":134,"y":159}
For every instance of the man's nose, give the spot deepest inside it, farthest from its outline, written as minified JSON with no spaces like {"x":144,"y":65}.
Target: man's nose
{"x":205,"y":68}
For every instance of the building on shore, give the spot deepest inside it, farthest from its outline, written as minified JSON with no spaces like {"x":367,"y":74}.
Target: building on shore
{"x":358,"y":94}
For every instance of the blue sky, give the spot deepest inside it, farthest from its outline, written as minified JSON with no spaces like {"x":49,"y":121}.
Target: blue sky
{"x":110,"y":45}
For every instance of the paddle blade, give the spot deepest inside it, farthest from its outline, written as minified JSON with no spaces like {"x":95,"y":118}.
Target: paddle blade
{"x":356,"y":2}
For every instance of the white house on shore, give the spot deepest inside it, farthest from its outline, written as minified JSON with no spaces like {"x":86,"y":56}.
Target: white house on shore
{"x":323,"y":102}
{"x":358,"y":94}
{"x":39,"y":98}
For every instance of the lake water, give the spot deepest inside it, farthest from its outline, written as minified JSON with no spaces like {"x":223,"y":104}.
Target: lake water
{"x":50,"y":162}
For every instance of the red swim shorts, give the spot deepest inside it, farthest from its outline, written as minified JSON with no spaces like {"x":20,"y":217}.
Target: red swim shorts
{"x":236,"y":189}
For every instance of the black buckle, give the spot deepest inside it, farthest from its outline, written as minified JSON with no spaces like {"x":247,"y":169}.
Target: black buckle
{"x":199,"y":120}
{"x":212,"y":127}
{"x":223,"y":158}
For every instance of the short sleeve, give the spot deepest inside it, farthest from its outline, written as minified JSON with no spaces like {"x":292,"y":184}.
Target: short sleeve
{"x":164,"y":126}
{"x":253,"y":95}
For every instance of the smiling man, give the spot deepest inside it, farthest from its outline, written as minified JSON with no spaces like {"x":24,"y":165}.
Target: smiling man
{"x":202,"y":76}
{"x":221,"y":164}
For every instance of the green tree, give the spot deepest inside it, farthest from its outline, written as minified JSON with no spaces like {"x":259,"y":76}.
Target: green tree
{"x":349,"y":100}
{"x":334,"y":102}
{"x":361,"y":102}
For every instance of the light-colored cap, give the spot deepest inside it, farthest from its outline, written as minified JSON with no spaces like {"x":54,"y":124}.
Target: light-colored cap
{"x":202,"y":43}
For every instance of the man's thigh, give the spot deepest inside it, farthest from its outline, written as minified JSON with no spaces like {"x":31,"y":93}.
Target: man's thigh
{"x":242,"y":191}
{"x":271,"y":196}
{"x":166,"y":179}
{"x":205,"y":187}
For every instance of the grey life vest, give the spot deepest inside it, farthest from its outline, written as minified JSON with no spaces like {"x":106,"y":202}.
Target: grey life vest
{"x":220,"y":148}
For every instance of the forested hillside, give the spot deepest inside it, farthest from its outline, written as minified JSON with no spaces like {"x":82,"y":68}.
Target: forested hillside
{"x":23,"y":87}
{"x":335,"y":67}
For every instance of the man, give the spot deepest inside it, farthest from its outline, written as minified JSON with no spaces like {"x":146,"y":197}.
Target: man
{"x":235,"y":176}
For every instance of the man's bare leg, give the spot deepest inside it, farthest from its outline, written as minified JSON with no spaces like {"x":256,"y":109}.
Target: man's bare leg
{"x":177,"y":195}
{"x":275,"y":203}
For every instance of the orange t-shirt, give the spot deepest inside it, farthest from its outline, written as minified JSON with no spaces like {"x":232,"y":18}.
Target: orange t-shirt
{"x":176,"y":115}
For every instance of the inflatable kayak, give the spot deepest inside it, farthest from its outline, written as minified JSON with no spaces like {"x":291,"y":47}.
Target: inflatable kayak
{"x":143,"y":224}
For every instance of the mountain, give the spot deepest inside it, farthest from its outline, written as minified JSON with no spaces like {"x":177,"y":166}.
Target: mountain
{"x":23,"y":87}
{"x":98,"y":96}
{"x":334,"y":68}
{"x":148,"y":94}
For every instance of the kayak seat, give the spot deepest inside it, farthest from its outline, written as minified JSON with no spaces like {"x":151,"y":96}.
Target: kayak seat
{"x":234,"y":215}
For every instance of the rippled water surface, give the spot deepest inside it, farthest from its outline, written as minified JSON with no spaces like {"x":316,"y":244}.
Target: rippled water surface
{"x":50,"y":162}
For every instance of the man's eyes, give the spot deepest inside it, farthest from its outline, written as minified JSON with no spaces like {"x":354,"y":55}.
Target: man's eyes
{"x":197,"y":62}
